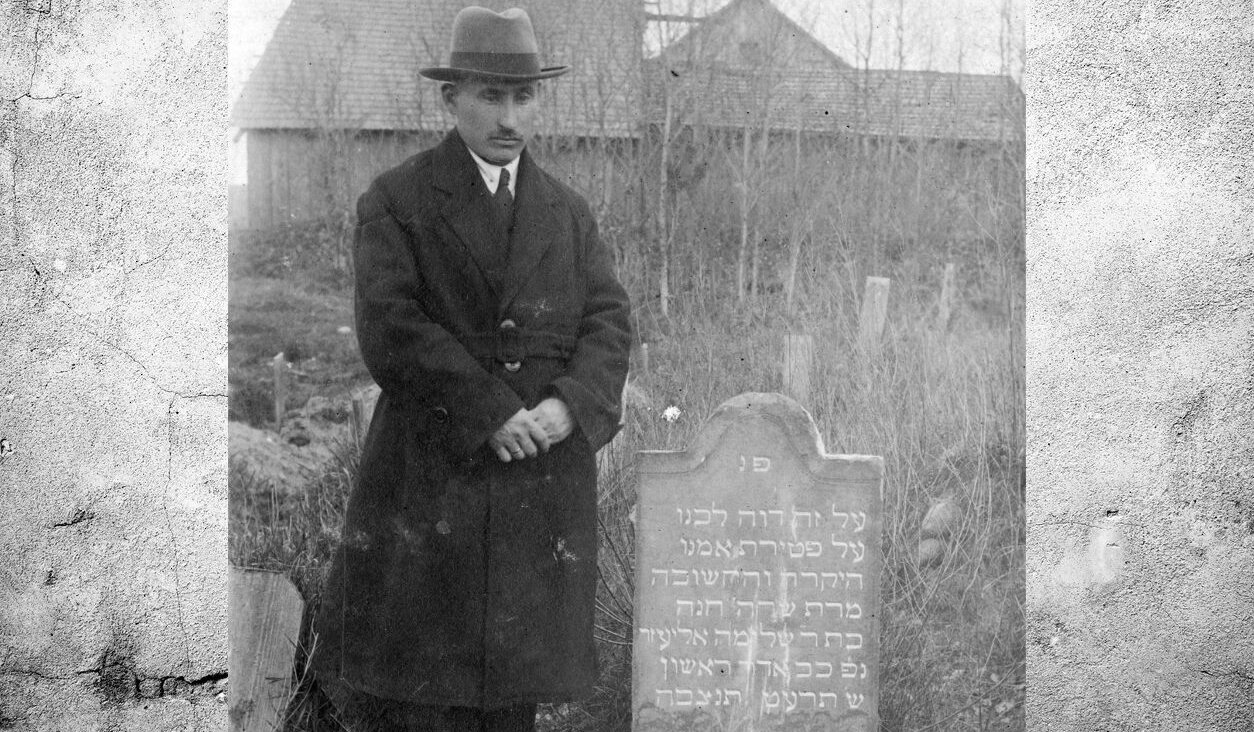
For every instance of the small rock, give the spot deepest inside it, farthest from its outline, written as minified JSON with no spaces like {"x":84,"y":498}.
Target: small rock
{"x":942,"y":519}
{"x":931,"y":552}
{"x":344,"y":330}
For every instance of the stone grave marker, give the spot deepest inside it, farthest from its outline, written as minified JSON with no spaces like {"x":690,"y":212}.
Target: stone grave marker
{"x":757,"y":579}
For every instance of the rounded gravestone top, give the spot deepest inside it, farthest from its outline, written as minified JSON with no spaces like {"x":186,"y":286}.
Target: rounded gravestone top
{"x":788,"y":418}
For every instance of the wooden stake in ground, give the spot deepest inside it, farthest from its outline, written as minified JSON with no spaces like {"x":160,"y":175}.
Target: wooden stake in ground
{"x":280,"y":389}
{"x":265,"y":613}
{"x":798,"y":364}
{"x":874,"y":313}
{"x":944,"y":310}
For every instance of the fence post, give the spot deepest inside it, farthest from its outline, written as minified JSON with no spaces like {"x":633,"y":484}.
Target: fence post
{"x":279,"y":364}
{"x":798,"y":364}
{"x":944,"y":310}
{"x":874,"y":312}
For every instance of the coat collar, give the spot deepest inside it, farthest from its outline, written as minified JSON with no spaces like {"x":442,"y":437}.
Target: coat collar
{"x":468,"y":211}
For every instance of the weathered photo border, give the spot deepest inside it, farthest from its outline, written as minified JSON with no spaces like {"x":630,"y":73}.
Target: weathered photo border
{"x":113,"y":406}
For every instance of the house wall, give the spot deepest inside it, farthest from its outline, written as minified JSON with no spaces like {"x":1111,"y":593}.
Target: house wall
{"x":295,"y":176}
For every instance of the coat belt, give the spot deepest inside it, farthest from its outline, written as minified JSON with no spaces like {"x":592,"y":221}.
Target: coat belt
{"x":513,"y":345}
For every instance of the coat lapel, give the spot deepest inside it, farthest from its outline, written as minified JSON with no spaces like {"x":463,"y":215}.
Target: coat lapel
{"x":468,"y":209}
{"x":535,"y":227}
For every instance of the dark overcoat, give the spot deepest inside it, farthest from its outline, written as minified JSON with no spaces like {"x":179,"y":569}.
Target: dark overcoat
{"x":462,"y":580}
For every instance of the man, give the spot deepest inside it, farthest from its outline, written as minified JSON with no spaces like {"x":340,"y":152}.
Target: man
{"x":488,"y":313}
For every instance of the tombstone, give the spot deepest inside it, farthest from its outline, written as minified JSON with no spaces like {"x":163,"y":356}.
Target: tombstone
{"x":757,"y":578}
{"x":265,"y":616}
{"x":798,"y":365}
{"x":945,"y":306}
{"x":874,"y":313}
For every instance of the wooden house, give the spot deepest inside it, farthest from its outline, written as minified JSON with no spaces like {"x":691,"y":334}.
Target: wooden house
{"x":336,"y":98}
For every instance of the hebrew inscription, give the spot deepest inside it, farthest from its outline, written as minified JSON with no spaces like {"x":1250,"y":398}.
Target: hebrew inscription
{"x":758,"y":561}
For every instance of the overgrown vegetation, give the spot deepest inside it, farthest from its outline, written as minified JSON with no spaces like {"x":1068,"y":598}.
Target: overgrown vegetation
{"x":309,"y":322}
{"x":943,"y":406}
{"x":728,"y":237}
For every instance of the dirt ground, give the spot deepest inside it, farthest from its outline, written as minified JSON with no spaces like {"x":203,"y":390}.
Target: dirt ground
{"x":301,"y":451}
{"x":313,"y":329}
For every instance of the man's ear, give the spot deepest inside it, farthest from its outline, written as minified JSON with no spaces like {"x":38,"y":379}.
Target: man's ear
{"x":448,"y":92}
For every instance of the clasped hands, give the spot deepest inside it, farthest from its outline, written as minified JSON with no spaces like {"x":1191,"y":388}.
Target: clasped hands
{"x":532,"y":431}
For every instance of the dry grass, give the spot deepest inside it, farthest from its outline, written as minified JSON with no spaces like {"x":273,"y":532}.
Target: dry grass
{"x":944,"y":408}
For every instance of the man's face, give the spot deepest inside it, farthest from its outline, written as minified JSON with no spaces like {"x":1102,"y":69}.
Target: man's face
{"x":494,"y":117}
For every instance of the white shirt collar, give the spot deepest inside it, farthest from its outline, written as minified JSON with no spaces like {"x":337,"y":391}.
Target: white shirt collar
{"x":492,"y":173}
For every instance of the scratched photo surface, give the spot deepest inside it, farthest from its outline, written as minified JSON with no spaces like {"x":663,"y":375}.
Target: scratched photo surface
{"x":819,"y":200}
{"x":112,"y":411}
{"x":1141,"y":366}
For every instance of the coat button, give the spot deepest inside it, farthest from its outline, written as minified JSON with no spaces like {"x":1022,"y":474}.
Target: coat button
{"x":513,"y":366}
{"x":507,"y":323}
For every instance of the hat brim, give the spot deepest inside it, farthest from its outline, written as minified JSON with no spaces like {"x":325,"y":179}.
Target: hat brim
{"x":453,"y":74}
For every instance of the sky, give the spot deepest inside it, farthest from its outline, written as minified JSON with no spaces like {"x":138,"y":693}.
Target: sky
{"x":968,"y":36}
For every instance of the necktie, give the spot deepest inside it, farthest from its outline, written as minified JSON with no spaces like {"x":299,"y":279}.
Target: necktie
{"x":504,"y":199}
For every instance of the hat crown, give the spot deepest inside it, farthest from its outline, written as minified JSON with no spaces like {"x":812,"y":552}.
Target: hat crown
{"x":480,"y":30}
{"x":491,"y":45}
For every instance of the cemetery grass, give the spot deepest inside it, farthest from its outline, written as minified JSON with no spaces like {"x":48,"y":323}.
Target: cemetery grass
{"x":942,"y":405}
{"x":268,"y":316}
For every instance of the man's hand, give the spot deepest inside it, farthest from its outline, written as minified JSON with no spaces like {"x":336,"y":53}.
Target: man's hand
{"x":554,"y":418}
{"x":521,"y":436}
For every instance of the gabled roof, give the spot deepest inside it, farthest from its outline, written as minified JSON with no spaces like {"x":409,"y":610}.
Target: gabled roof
{"x":719,"y":40}
{"x":795,"y":82}
{"x":354,"y":64}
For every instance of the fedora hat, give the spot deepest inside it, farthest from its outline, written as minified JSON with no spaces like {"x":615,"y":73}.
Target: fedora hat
{"x":495,"y":46}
